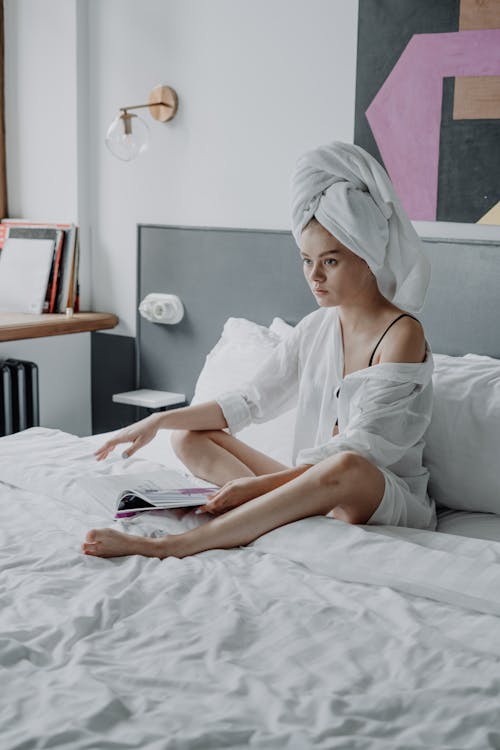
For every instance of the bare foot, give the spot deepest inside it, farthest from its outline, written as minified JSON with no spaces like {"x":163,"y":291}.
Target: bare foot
{"x":111,"y":543}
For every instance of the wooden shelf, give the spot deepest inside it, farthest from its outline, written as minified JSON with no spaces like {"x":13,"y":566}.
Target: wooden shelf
{"x":14,"y":326}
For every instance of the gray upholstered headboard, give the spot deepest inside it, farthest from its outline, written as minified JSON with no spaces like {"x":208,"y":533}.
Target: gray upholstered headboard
{"x":462,"y":308}
{"x":257,"y":274}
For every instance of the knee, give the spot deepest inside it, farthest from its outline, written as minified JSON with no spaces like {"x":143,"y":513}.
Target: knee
{"x":358,"y":486}
{"x":346,"y":463}
{"x":185,"y":442}
{"x":182,"y":442}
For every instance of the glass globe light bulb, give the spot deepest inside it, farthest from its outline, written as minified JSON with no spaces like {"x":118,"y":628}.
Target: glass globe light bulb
{"x":127,"y":136}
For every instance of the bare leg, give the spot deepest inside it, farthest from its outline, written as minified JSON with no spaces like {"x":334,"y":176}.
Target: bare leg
{"x":348,"y":483}
{"x":218,"y":457}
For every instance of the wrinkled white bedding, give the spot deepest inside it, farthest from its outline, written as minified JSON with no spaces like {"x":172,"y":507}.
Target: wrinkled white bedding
{"x":319,"y":634}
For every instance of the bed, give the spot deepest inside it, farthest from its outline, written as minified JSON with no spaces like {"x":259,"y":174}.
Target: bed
{"x":318,"y":634}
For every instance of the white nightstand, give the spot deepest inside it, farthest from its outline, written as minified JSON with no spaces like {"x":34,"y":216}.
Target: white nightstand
{"x":150,"y":399}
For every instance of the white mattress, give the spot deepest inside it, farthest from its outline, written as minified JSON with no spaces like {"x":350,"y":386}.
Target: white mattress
{"x":318,"y":634}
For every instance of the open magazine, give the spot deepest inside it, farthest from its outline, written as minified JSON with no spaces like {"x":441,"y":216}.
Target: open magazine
{"x":139,"y":499}
{"x":137,"y":493}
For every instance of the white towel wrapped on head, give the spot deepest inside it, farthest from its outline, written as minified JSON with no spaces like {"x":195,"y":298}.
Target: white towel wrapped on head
{"x":352,"y":197}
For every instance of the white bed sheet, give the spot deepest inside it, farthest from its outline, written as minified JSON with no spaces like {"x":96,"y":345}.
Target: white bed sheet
{"x":318,"y":634}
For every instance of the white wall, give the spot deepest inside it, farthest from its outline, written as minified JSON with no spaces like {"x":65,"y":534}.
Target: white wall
{"x":41,"y":107}
{"x":64,"y":379}
{"x":44,"y":179}
{"x":259,"y":81}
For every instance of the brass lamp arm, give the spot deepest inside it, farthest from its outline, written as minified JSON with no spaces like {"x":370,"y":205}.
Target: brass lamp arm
{"x":140,"y":106}
{"x":161,"y":98}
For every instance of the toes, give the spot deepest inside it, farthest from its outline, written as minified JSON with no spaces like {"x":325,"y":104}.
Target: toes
{"x":108,"y":543}
{"x":89,"y":548}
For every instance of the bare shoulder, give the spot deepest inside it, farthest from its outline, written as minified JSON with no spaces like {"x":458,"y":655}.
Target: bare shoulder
{"x":403,"y":342}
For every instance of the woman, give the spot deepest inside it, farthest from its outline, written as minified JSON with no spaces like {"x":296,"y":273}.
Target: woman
{"x":359,"y":367}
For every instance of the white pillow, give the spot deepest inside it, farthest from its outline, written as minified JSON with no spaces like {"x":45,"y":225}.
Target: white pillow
{"x":281,"y":328}
{"x":234,"y":360}
{"x":462,"y":523}
{"x":462,"y":450}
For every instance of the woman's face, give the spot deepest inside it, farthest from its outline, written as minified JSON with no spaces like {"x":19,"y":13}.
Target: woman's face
{"x":334,"y":273}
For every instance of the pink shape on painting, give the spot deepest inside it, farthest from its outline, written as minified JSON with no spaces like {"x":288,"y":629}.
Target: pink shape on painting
{"x":405,"y":115}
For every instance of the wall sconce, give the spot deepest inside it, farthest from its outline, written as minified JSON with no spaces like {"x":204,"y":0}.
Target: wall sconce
{"x":128,"y":135}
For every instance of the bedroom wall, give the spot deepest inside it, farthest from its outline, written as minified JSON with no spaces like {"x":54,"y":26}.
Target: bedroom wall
{"x":45,"y":180}
{"x":258,"y":83}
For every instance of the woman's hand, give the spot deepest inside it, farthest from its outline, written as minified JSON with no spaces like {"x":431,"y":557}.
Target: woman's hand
{"x":236,"y":492}
{"x":139,"y":434}
{"x":240,"y":491}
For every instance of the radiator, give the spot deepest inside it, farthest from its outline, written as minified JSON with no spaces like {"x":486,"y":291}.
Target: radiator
{"x":19,"y":396}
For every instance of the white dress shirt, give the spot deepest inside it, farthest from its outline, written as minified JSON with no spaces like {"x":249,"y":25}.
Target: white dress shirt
{"x":383,"y":411}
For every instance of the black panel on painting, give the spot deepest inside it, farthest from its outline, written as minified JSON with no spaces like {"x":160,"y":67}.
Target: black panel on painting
{"x":469,"y":164}
{"x":384,"y":29}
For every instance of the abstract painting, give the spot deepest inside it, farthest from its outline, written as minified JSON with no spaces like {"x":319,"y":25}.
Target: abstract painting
{"x":428,"y":103}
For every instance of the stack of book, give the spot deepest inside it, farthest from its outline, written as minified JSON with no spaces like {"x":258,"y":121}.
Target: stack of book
{"x":62,"y":288}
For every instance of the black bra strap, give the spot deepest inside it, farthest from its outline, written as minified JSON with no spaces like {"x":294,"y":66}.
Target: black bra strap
{"x":403,"y":315}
